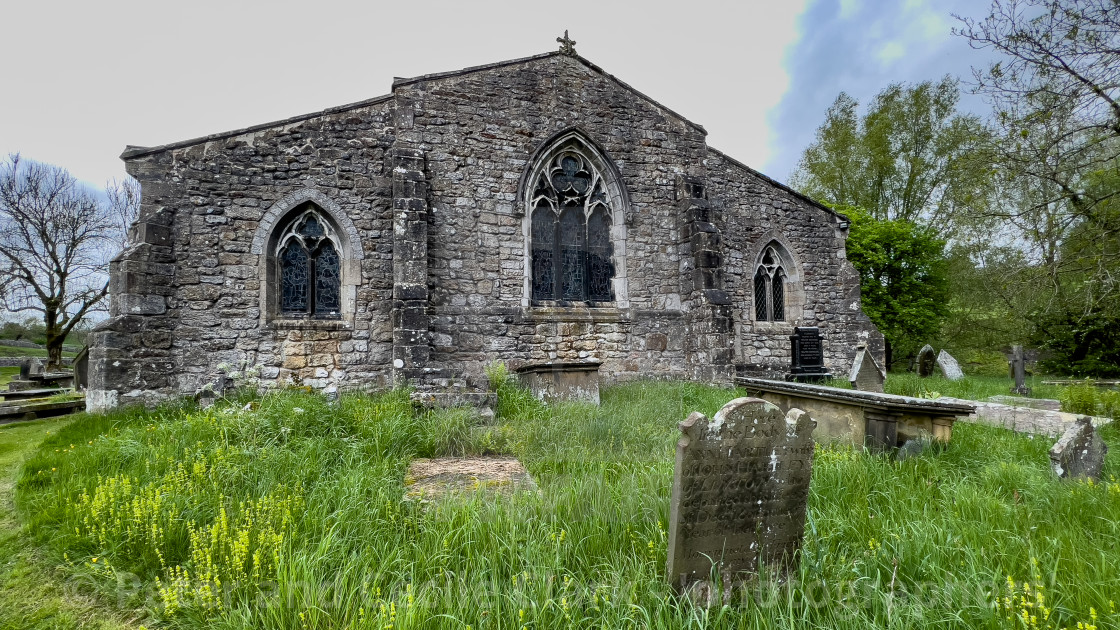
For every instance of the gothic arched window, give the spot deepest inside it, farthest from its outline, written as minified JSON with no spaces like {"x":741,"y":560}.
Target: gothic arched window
{"x":310,"y":279}
{"x":770,"y":288}
{"x":570,"y":232}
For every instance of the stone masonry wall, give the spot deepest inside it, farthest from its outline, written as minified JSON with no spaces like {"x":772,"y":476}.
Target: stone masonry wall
{"x":755,"y":211}
{"x":425,"y":186}
{"x":479,"y":131}
{"x":186,"y":299}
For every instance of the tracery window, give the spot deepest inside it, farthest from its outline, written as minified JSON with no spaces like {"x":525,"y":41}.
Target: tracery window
{"x":309,"y":269}
{"x":770,"y":288}
{"x":570,"y":226}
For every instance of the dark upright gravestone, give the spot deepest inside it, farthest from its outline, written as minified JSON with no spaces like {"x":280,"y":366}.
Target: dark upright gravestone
{"x":925,"y":361}
{"x":807,"y":354}
{"x":1019,"y":372}
{"x":81,"y":369}
{"x":1079,"y":454}
{"x":24,"y":369}
{"x":740,"y":486}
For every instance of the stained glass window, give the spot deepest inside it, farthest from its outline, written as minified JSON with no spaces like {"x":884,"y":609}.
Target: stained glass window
{"x":544,"y":250}
{"x":761,"y":312}
{"x":294,"y":289}
{"x":778,"y":291}
{"x":310,"y":269}
{"x":770,"y":288}
{"x":570,"y":225}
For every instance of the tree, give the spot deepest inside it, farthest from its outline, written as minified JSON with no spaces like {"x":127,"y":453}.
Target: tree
{"x":903,"y":278}
{"x":55,"y":241}
{"x":1055,"y":88}
{"x":911,"y":157}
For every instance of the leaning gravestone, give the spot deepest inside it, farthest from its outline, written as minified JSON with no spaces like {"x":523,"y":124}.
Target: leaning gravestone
{"x":925,"y":361}
{"x":740,"y":487}
{"x":949,"y":366}
{"x":866,"y":375}
{"x":35,"y":367}
{"x":1080,"y":452}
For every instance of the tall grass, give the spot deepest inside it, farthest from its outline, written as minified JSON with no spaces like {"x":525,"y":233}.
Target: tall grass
{"x":292,"y":515}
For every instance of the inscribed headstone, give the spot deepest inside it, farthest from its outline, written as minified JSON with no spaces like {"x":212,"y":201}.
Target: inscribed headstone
{"x":866,"y":375}
{"x":949,"y":366}
{"x":740,"y":487}
{"x":1080,"y":452}
{"x":807,"y":354}
{"x":925,"y":361}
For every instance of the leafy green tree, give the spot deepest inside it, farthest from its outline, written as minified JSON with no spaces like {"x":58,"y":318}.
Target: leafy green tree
{"x":911,"y":157}
{"x":1057,"y":114}
{"x":904,"y":279}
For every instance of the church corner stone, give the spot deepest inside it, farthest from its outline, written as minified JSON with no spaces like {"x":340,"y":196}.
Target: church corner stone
{"x":739,"y":496}
{"x":429,"y":259}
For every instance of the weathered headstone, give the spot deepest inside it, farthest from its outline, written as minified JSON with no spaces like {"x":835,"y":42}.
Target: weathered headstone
{"x":1019,"y":372}
{"x":866,"y":375}
{"x":81,"y":369}
{"x":807,"y":354}
{"x":1080,"y":452}
{"x":35,"y":367}
{"x":740,"y":487}
{"x":949,"y":366}
{"x":24,"y":369}
{"x":925,"y":361}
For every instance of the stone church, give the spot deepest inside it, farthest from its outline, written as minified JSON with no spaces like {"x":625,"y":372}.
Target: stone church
{"x":537,"y":211}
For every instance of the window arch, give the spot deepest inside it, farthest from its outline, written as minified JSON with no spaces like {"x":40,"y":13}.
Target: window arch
{"x":571,"y":251}
{"x":309,"y":267}
{"x":770,"y":285}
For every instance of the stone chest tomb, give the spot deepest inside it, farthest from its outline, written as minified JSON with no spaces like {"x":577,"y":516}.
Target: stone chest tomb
{"x":536,"y":211}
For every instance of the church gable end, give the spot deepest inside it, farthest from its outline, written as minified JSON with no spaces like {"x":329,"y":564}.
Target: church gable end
{"x":532,"y":212}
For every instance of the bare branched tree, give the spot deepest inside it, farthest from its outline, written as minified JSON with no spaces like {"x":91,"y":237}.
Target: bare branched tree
{"x":55,"y":241}
{"x":124,"y":208}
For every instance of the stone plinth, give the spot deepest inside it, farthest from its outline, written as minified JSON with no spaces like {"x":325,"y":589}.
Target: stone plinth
{"x":740,"y":486}
{"x":562,"y":381}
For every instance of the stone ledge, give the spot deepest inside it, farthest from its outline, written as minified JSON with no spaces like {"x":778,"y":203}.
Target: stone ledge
{"x":308,"y":324}
{"x":574,"y":314}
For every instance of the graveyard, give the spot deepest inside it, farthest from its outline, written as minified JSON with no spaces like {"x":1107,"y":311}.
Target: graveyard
{"x":290,"y":510}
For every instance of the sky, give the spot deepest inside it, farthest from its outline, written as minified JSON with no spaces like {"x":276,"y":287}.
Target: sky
{"x":82,"y":80}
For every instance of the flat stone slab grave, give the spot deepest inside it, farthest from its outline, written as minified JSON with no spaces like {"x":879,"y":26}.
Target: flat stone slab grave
{"x":434,"y":479}
{"x":740,"y":490}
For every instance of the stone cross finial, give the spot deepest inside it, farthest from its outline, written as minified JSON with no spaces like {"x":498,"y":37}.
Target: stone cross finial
{"x":567,"y":45}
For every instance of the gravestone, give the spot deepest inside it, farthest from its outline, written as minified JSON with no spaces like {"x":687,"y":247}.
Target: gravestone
{"x":1079,"y":453}
{"x":807,"y":353}
{"x":740,"y":487}
{"x":866,"y":375}
{"x":1019,"y":372}
{"x":925,"y":361}
{"x":81,"y":369}
{"x":35,"y":367}
{"x":949,"y":366}
{"x":24,"y":369}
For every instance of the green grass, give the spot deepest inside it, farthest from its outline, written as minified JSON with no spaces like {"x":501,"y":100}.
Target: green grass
{"x":19,"y":351}
{"x":6,"y":375}
{"x":970,"y":388}
{"x":290,"y":515}
{"x":34,"y":593}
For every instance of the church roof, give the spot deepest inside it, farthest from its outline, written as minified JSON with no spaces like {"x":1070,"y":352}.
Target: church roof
{"x":132,"y":151}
